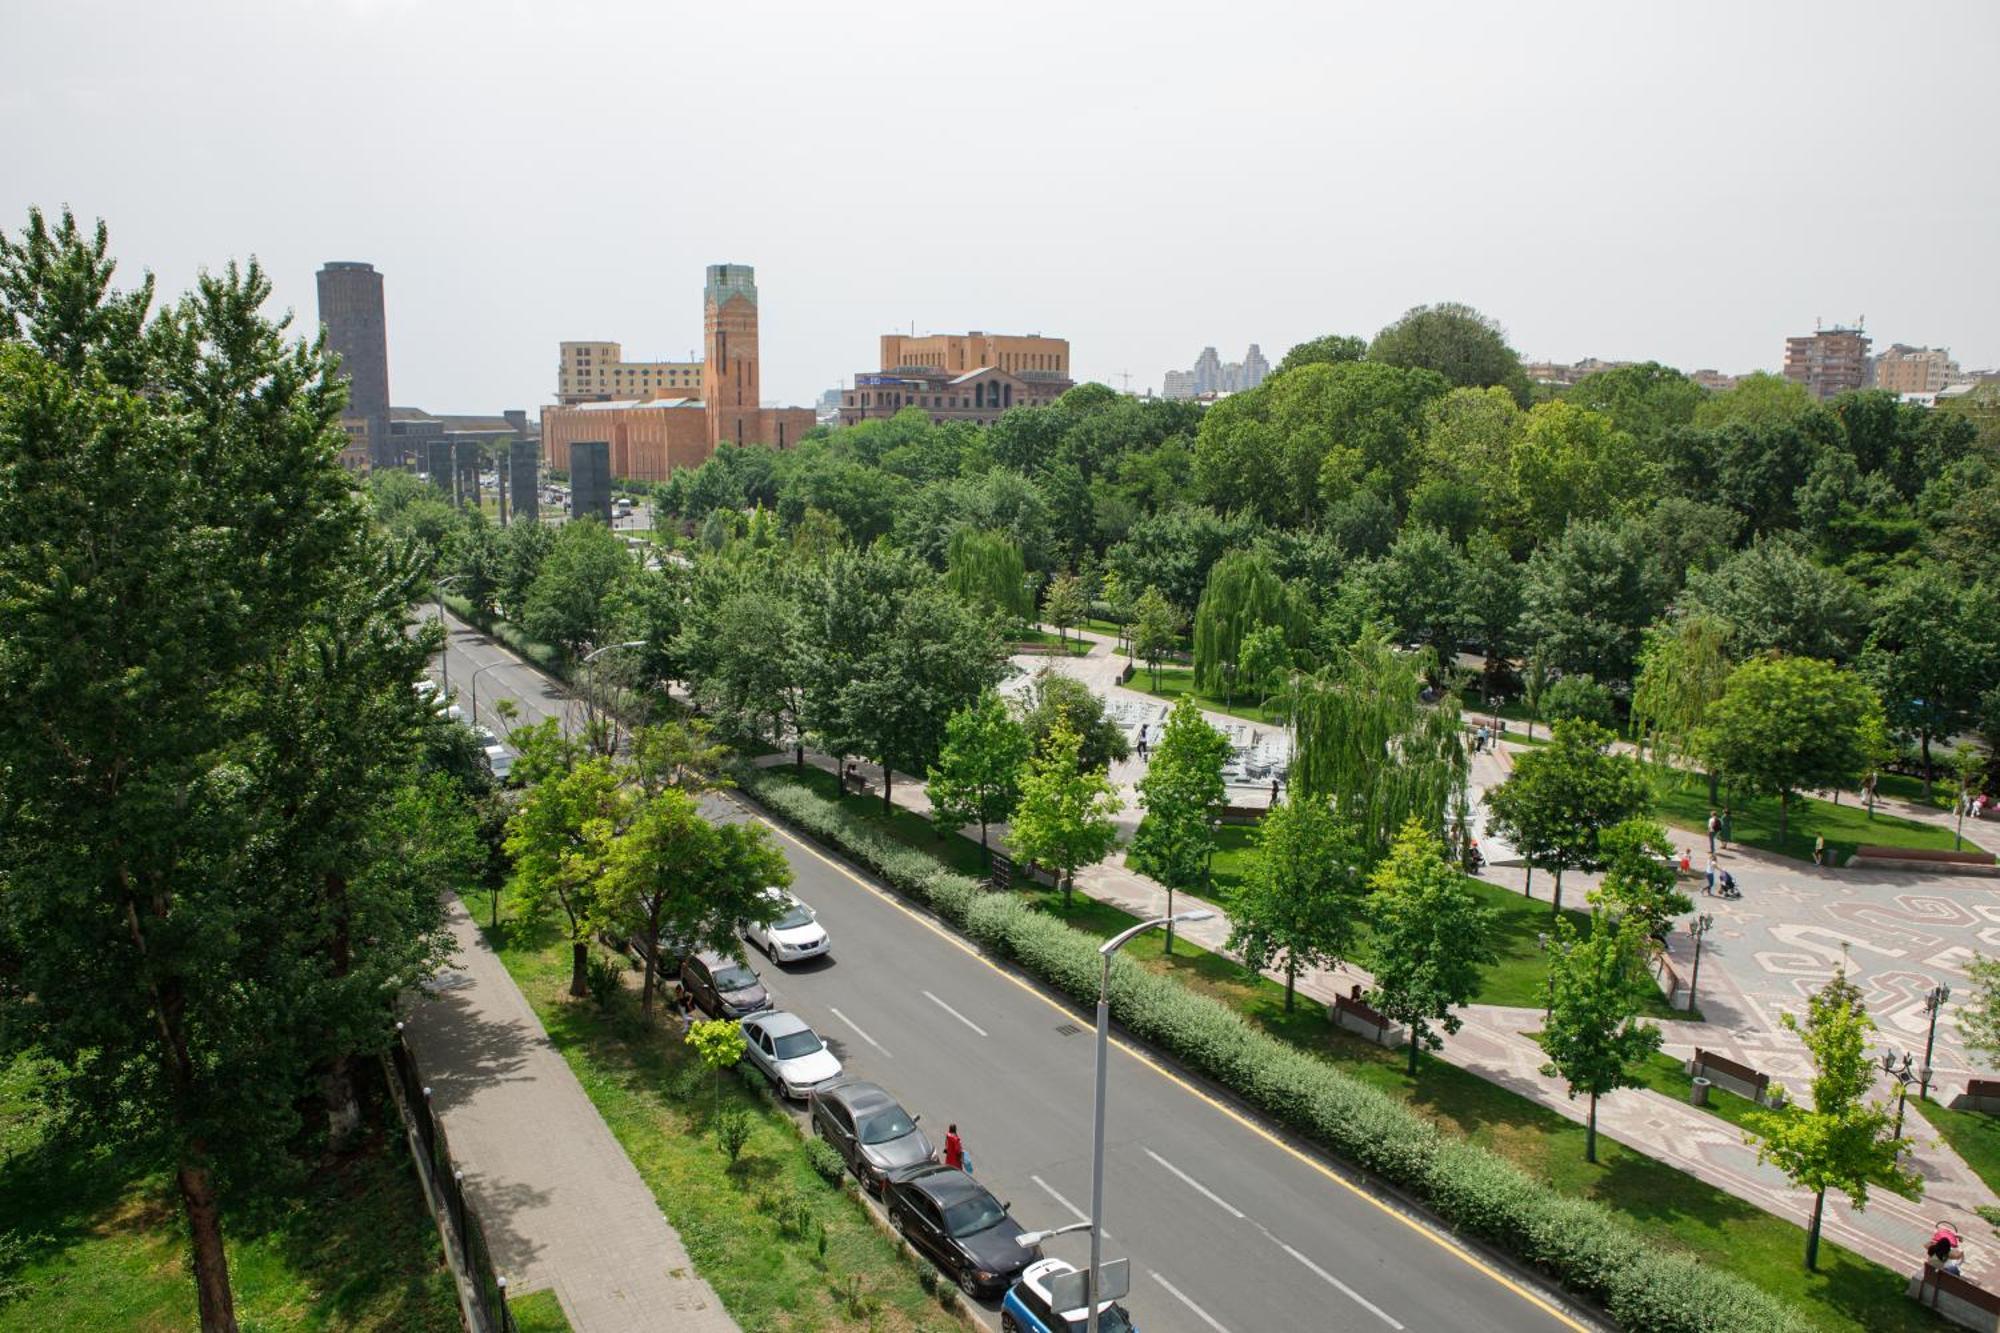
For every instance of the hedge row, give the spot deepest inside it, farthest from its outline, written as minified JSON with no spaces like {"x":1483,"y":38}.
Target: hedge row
{"x":1577,"y":1242}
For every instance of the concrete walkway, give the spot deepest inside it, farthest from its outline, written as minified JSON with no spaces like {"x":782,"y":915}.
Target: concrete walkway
{"x":561,"y":1203}
{"x":1494,"y":1041}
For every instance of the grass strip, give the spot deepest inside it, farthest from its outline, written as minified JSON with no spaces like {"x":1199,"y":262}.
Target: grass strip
{"x":1681,"y":800}
{"x":538,"y":1312}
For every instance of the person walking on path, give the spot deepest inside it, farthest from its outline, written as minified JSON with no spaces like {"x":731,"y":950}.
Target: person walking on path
{"x":1725,"y":828}
{"x":1819,"y":850}
{"x":1709,"y":887}
{"x":1714,"y":829}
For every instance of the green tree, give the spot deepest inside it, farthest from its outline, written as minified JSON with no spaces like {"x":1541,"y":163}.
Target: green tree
{"x":1155,"y":631}
{"x":560,"y":838}
{"x":680,"y":755}
{"x":1330,"y":350}
{"x":1643,"y":400}
{"x":1305,"y":898}
{"x":671,"y":874}
{"x":1592,"y":1039}
{"x":753,"y":648}
{"x":1773,"y":596}
{"x":1421,"y":583}
{"x":1430,"y":938}
{"x":1065,"y":605}
{"x":1578,"y":696}
{"x":1491,"y":612}
{"x":1570,"y":463}
{"x":977,"y":776}
{"x":1586,"y":600}
{"x":577,"y":597}
{"x":477,"y":560}
{"x":1842,"y":1142}
{"x":523,"y":548}
{"x":719,"y":1043}
{"x":1560,"y":798}
{"x":1759,"y":399}
{"x":1056,"y":702}
{"x":985,"y":569}
{"x":1682,"y":671}
{"x":1979,"y":1015}
{"x":1264,"y":661}
{"x":1064,"y":817}
{"x":1457,"y":342}
{"x":1934,"y":645}
{"x":1640,"y":879}
{"x":1786,"y":724}
{"x":1243,"y":595}
{"x":1181,"y":792}
{"x":1117,"y":599}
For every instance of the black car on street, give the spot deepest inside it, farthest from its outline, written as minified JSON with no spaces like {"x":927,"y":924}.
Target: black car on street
{"x":876,"y":1137}
{"x":957,"y":1223}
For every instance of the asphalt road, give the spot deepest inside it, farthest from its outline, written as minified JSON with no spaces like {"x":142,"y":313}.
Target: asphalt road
{"x":1229,"y":1229}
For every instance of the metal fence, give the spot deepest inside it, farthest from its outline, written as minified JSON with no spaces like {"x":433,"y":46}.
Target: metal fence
{"x":463,"y":1234}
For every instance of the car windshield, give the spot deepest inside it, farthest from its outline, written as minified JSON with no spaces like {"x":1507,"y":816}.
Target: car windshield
{"x":795,"y":1044}
{"x":890,"y":1124}
{"x":735,"y":977}
{"x":970,"y":1216}
{"x":798,"y":915}
{"x":1111,"y":1319}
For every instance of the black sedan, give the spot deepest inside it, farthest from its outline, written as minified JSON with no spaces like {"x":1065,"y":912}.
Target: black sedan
{"x":875,"y":1135}
{"x":951,"y":1218}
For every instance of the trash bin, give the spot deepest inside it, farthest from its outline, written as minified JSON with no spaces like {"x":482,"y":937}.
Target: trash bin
{"x":1698,"y":1094}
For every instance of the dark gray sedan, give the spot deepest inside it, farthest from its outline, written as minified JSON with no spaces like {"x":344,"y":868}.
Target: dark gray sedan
{"x":875,"y":1135}
{"x":953,"y":1219}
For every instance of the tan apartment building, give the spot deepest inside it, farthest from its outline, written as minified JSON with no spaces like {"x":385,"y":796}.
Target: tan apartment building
{"x":1828,"y":362}
{"x":597,"y":372}
{"x":960,"y":377}
{"x":653,"y":435}
{"x":1906,"y":369}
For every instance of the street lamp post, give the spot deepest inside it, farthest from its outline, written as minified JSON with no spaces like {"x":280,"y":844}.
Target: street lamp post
{"x":1700,"y":927}
{"x":1902,"y":1073}
{"x":590,"y":691}
{"x":444,"y":657}
{"x":1934,"y":1003}
{"x":1548,"y":1008}
{"x":475,"y":686}
{"x":1104,"y":951}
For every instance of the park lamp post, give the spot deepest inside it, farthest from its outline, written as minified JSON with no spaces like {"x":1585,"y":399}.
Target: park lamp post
{"x":1104,"y":951}
{"x":475,"y":686}
{"x":590,"y":690}
{"x":1699,"y":927}
{"x":1934,"y":1003}
{"x":1902,"y":1073}
{"x":444,"y":657}
{"x":1548,"y":1008}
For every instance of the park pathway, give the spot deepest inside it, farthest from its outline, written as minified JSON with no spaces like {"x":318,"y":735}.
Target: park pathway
{"x":1496,"y":1044}
{"x":560,"y":1201}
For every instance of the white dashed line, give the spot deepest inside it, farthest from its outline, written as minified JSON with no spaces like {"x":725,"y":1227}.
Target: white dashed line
{"x":857,"y":1029}
{"x":1074,"y":1211}
{"x":1345,"y":1290}
{"x":954,"y":1013}
{"x":1198,"y":1187}
{"x":1176,"y":1293}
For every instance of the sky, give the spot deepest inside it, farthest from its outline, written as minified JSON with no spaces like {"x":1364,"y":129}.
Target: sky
{"x":1684,"y":182}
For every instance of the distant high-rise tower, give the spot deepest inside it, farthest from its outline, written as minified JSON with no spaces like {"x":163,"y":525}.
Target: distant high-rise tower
{"x":350,"y":305}
{"x":729,"y":375}
{"x":1828,"y":362}
{"x":1255,"y":368}
{"x":1208,"y":372}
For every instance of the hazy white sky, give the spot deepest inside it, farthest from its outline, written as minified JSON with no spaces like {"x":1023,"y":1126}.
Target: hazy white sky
{"x":1689,"y":183}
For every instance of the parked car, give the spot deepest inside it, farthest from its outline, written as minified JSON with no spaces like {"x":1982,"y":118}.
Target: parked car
{"x":793,"y":934}
{"x":957,"y":1222}
{"x":789,"y":1053}
{"x":444,"y":705}
{"x":876,"y":1137}
{"x":671,"y":953}
{"x":721,"y":987}
{"x":499,"y":758}
{"x":1028,"y":1309}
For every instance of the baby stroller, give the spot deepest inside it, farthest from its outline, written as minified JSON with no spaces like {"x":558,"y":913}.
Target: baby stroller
{"x":1725,"y":886}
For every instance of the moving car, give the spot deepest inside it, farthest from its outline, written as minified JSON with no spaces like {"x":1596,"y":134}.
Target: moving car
{"x":876,"y":1137}
{"x":794,"y":933}
{"x":1027,"y":1308}
{"x":789,"y":1053}
{"x":721,"y":987}
{"x":957,"y":1222}
{"x":498,"y":757}
{"x":444,"y":705}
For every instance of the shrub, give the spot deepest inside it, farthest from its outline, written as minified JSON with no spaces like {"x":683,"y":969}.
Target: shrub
{"x":732,"y":1131}
{"x":824,"y":1158}
{"x":600,"y":974}
{"x":927,"y":1278}
{"x":1579,"y":1243}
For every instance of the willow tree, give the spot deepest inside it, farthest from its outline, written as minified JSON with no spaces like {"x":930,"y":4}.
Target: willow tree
{"x":1682,"y":670}
{"x":1243,"y":595}
{"x":985,"y":569}
{"x":1363,"y":738}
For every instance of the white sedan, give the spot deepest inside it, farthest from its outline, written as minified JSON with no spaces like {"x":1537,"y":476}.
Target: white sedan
{"x":789,"y":1053}
{"x":794,"y":933}
{"x":499,"y":758}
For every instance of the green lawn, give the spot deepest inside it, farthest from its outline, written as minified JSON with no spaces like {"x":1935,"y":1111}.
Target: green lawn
{"x":905,"y":826}
{"x":1176,"y":681}
{"x":1049,"y":639}
{"x":1973,"y":1135}
{"x":660,"y":1104}
{"x":1682,"y":801}
{"x":1668,"y":1206}
{"x":93,"y":1239}
{"x":1903,"y":787}
{"x":1519,"y":978}
{"x":538,"y":1312}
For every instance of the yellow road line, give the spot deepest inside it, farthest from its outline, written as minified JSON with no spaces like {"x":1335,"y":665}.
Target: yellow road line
{"x":951,"y":937}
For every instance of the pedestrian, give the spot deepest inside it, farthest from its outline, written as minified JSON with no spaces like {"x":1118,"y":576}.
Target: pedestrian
{"x":1819,"y":850}
{"x":1725,"y":828}
{"x":954,"y":1150}
{"x":1714,"y":830}
{"x":1274,"y":791}
{"x":1709,"y":887}
{"x":1944,"y":1250}
{"x":1687,"y":861}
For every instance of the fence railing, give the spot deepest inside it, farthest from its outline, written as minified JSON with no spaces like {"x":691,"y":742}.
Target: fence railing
{"x":459,"y":1223}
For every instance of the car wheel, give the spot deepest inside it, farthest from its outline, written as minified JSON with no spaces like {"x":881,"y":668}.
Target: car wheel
{"x":967,"y":1285}
{"x":1007,"y":1324}
{"x":902,"y":1225}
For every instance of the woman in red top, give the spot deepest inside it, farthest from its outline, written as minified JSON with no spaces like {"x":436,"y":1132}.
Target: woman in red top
{"x":954,"y":1148}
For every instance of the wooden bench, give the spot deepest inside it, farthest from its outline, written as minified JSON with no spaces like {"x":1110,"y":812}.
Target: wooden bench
{"x":1981,"y":1094}
{"x":1959,"y":1299}
{"x":1358,"y":1017}
{"x":1730,"y":1076}
{"x":1923,"y":859}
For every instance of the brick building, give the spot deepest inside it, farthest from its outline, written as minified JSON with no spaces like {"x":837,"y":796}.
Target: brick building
{"x":1906,"y":369}
{"x":597,"y":372}
{"x":651,"y":433}
{"x":960,"y":377}
{"x":351,"y":308}
{"x":1828,"y":362}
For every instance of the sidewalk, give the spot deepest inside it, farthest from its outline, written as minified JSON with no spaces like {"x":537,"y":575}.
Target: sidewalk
{"x":561,"y":1203}
{"x":1494,"y":1044}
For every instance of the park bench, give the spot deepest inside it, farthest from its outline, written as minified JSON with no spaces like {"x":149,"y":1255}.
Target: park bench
{"x":1357,"y":1016}
{"x":851,"y":779}
{"x":1922,"y":858}
{"x":1959,"y":1299}
{"x":1981,"y":1094}
{"x":1730,"y":1076}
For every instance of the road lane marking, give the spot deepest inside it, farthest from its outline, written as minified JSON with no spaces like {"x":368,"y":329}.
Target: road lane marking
{"x":1074,"y":1211}
{"x":1345,"y":1290}
{"x":857,"y":1030}
{"x":1199,"y":1188}
{"x":1177,"y":1294}
{"x":1207,"y":1099}
{"x":954,"y":1013}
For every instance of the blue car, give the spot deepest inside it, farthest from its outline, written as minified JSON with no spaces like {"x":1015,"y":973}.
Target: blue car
{"x":1026,"y":1309}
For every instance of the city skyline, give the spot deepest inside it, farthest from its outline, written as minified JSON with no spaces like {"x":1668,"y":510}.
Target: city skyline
{"x":1624,"y":245}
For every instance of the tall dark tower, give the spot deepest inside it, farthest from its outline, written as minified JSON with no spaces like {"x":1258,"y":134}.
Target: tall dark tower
{"x":350,"y":305}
